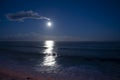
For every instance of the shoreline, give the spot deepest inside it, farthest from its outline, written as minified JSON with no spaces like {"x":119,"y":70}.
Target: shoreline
{"x":7,"y":74}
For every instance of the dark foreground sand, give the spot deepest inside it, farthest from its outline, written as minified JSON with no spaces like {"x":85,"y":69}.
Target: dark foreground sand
{"x":7,"y":74}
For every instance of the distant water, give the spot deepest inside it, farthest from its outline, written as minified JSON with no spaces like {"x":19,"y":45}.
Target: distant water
{"x":70,"y":60}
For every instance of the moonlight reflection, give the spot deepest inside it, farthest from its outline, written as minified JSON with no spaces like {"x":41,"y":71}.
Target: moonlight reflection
{"x":49,"y":59}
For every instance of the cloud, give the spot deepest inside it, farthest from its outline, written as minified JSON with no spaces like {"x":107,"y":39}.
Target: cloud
{"x":21,"y":16}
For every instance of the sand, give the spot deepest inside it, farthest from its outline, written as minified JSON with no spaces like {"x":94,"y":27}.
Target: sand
{"x":7,"y":74}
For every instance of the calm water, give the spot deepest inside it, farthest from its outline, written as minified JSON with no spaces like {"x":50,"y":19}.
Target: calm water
{"x":79,"y":60}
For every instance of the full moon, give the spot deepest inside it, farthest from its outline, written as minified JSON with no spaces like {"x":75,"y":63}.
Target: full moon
{"x":49,"y":24}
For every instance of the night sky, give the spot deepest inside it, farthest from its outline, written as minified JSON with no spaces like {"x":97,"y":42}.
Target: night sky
{"x":77,"y":20}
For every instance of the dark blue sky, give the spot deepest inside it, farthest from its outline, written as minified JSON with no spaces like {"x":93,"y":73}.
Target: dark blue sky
{"x":84,"y":20}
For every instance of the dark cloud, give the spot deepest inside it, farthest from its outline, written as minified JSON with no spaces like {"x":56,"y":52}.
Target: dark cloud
{"x":20,"y":16}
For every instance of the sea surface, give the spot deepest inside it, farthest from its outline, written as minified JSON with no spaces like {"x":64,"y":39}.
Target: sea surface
{"x":63,"y":60}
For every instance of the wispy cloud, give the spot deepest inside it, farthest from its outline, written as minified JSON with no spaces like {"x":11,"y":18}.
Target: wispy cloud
{"x":21,"y":16}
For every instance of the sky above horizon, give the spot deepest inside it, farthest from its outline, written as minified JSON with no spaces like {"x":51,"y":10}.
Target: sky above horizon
{"x":84,"y":20}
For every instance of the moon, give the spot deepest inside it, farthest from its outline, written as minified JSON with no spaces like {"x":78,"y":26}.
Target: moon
{"x":49,"y":24}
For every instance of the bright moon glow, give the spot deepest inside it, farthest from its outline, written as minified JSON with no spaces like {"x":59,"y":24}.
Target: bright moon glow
{"x":49,"y":24}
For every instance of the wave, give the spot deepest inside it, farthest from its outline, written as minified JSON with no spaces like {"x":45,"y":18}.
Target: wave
{"x":63,"y":56}
{"x":89,"y":48}
{"x":66,"y":48}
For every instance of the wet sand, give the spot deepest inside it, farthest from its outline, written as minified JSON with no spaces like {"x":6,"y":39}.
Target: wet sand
{"x":7,"y":74}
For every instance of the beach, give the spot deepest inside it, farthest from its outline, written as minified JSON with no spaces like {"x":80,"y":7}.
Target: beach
{"x":11,"y":75}
{"x":7,"y":74}
{"x":59,"y":39}
{"x":51,"y":60}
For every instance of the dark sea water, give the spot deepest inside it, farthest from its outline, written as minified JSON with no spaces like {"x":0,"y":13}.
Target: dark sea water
{"x":63,"y":60}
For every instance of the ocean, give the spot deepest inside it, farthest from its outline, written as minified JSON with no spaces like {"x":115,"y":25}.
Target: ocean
{"x":63,"y":60}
